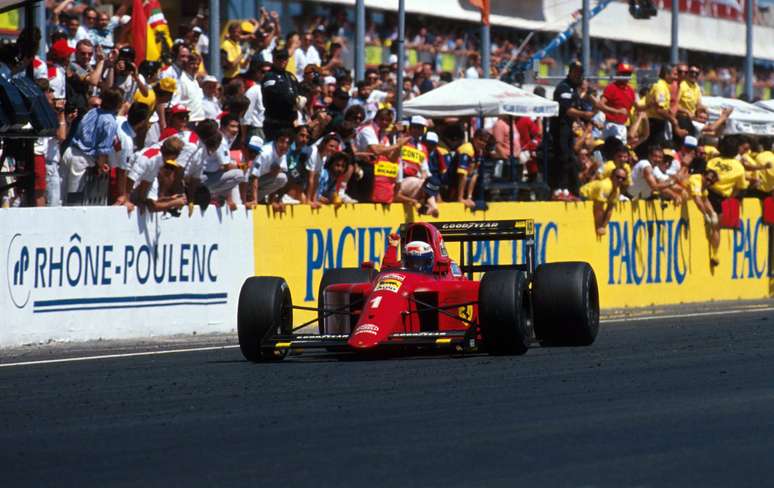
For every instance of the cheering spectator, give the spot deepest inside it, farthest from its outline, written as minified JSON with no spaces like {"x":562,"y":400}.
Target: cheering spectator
{"x":306,"y":54}
{"x":91,"y":145}
{"x":605,"y":193}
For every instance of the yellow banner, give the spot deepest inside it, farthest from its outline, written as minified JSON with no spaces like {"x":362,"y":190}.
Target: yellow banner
{"x":649,"y":256}
{"x":9,"y":21}
{"x":386,"y":168}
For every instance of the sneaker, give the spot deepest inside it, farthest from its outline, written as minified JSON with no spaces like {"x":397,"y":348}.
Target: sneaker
{"x":288,"y":200}
{"x":344,"y":198}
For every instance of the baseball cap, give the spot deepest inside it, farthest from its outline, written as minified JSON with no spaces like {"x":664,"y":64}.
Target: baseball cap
{"x":668,"y":152}
{"x":418,"y":120}
{"x":168,"y":85}
{"x":330,"y":80}
{"x":248,"y":27}
{"x":209,"y":79}
{"x":255,"y":144}
{"x":179,"y":109}
{"x":431,"y":137}
{"x":61,"y":49}
{"x":624,"y":69}
{"x":690,"y":141}
{"x":197,"y":29}
{"x":126,"y":52}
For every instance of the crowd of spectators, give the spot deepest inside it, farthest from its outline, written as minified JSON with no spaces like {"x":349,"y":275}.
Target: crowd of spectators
{"x":287,"y":124}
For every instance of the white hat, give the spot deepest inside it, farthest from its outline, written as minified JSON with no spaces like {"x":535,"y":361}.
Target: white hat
{"x":197,"y":29}
{"x":209,"y":79}
{"x":690,"y":141}
{"x":393,"y":59}
{"x":255,"y":144}
{"x":418,"y":120}
{"x":431,"y":137}
{"x":329,"y":80}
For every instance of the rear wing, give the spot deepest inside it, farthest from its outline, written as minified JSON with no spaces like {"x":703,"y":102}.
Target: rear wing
{"x":491,"y":230}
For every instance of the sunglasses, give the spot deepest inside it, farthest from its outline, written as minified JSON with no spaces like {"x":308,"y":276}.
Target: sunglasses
{"x":683,"y":71}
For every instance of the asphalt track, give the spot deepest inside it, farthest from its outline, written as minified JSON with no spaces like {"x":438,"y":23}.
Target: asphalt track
{"x":665,"y":402}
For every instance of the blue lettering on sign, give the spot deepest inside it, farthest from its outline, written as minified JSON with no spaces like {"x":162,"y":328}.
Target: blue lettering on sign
{"x":646,"y":251}
{"x":77,"y":265}
{"x":746,"y":263}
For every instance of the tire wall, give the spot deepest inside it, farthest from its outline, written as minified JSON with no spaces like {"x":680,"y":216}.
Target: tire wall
{"x":648,"y":256}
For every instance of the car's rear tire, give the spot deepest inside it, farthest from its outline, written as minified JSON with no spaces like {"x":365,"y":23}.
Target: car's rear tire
{"x":265,"y":309}
{"x":565,"y":300}
{"x":504,"y":312}
{"x":335,"y":277}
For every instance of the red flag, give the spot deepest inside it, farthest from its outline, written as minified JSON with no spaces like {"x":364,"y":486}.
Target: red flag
{"x":139,"y":31}
{"x":483,"y":6}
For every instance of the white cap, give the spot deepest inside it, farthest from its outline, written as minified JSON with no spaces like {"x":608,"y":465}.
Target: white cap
{"x":393,"y":59}
{"x":209,"y":79}
{"x":431,"y":137}
{"x":197,"y":29}
{"x":255,"y":144}
{"x":690,"y":141}
{"x":329,"y":80}
{"x":418,"y":120}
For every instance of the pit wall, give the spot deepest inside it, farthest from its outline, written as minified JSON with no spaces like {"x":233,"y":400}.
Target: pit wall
{"x":649,"y":256}
{"x":76,"y":274}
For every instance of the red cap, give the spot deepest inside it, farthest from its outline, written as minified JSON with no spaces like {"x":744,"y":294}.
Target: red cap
{"x":61,"y":49}
{"x":624,"y":69}
{"x":179,"y":109}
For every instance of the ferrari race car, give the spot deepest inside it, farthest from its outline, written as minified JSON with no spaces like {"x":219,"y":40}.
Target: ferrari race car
{"x":435,"y":306}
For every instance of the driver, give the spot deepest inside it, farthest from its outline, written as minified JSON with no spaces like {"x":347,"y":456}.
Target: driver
{"x":418,"y":256}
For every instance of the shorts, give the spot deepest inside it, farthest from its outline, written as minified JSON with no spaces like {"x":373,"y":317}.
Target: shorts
{"x":39,"y":168}
{"x":716,"y":200}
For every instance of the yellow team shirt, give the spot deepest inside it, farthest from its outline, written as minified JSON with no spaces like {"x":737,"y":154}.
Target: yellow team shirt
{"x":659,"y":96}
{"x":609,"y":167}
{"x":731,"y":175}
{"x":233,"y":54}
{"x":690,"y":96}
{"x":466,"y":149}
{"x":695,"y":186}
{"x":600,"y":191}
{"x":766,"y":176}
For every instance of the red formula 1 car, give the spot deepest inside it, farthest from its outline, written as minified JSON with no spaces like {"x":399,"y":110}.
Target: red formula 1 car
{"x":360,"y":309}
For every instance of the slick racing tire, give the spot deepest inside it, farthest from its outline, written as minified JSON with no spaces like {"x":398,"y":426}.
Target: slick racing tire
{"x":565,"y":301}
{"x":265,"y":309}
{"x":335,"y":277}
{"x":504,"y":312}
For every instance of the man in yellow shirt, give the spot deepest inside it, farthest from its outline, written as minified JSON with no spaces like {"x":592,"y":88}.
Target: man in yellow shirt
{"x":731,"y":174}
{"x":765,"y":175}
{"x":690,"y":93}
{"x":604,"y":193}
{"x":698,"y":186}
{"x":658,"y":101}
{"x":231,"y":57}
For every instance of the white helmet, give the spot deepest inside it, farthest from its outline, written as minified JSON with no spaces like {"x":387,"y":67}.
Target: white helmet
{"x":418,"y":256}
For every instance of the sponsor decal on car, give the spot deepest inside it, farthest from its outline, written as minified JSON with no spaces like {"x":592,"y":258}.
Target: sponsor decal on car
{"x":389,"y":284}
{"x":372,"y":329}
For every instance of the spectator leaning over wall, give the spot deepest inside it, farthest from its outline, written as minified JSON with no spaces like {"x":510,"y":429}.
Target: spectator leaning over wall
{"x":91,"y":144}
{"x":605,"y":193}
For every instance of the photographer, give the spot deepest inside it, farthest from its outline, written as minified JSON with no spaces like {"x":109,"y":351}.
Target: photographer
{"x":120,"y":71}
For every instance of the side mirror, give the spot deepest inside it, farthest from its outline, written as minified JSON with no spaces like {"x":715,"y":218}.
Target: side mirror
{"x":442,"y":266}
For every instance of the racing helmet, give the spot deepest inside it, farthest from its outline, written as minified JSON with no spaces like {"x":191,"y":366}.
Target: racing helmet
{"x":418,"y":256}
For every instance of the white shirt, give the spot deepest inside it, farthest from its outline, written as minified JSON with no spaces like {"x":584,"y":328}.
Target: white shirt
{"x":366,"y":136}
{"x":130,"y":87}
{"x":146,"y":165}
{"x":672,"y":170}
{"x":316,"y":160}
{"x":255,"y":112}
{"x":472,"y":73}
{"x":189,"y":94}
{"x":190,"y":147}
{"x":48,"y":147}
{"x":58,"y":81}
{"x":640,"y":187}
{"x":172,"y":71}
{"x":268,"y":159}
{"x":311,"y":56}
{"x":211,"y":107}
{"x":214,"y":161}
{"x":124,"y":147}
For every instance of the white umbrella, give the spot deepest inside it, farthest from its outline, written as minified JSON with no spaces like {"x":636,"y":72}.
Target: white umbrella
{"x":745,"y":119}
{"x":480,"y":98}
{"x":767,"y":104}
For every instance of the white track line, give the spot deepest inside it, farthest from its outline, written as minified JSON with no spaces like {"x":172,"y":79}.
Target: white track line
{"x":215,"y":348}
{"x":114,"y":356}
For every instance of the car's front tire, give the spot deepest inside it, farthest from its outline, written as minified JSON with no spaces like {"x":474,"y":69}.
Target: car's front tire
{"x":265,"y":309}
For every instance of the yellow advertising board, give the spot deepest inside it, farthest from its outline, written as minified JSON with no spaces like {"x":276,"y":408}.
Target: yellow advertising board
{"x":649,"y":256}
